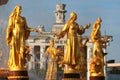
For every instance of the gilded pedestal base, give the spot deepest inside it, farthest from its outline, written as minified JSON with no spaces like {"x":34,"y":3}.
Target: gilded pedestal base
{"x":4,"y":74}
{"x":71,"y":75}
{"x":97,"y":78}
{"x":18,"y":75}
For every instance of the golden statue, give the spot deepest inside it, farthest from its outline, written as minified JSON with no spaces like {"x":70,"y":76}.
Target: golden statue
{"x":16,"y":34}
{"x":52,"y":52}
{"x":97,"y":38}
{"x":72,"y":29}
{"x":97,"y":62}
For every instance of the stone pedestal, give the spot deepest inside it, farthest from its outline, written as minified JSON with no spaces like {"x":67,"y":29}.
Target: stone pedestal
{"x":97,"y":77}
{"x":71,"y":75}
{"x":4,"y":74}
{"x":18,"y":75}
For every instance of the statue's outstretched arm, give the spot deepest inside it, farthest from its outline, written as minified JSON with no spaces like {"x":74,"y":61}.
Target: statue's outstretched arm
{"x":28,"y":29}
{"x":82,"y":29}
{"x":63,"y":32}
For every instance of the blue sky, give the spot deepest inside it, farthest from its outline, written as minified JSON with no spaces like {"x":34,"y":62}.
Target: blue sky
{"x":41,"y":12}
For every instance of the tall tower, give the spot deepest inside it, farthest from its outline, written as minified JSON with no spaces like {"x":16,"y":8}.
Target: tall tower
{"x":60,"y":17}
{"x":60,"y":13}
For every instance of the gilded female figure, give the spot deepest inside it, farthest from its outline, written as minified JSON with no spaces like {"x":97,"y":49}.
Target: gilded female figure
{"x":52,"y":52}
{"x":72,"y":29}
{"x":16,"y":34}
{"x":96,"y":38}
{"x":97,"y":62}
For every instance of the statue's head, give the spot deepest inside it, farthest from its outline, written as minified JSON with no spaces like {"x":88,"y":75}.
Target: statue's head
{"x":99,"y":19}
{"x":16,"y":10}
{"x":51,"y":42}
{"x":73,"y":15}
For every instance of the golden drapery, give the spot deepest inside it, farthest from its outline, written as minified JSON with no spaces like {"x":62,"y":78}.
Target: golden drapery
{"x":72,"y":30}
{"x":72,"y":45}
{"x":96,"y":38}
{"x":97,"y":61}
{"x":17,"y":33}
{"x":51,"y":52}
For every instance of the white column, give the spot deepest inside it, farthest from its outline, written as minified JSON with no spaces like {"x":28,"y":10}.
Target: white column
{"x":89,"y":55}
{"x":105,"y":68}
{"x":42,"y":57}
{"x":31,"y":63}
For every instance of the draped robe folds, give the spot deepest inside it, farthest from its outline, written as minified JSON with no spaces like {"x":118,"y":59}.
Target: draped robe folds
{"x":51,"y":73}
{"x":17,"y":33}
{"x":72,"y":53}
{"x":96,"y":39}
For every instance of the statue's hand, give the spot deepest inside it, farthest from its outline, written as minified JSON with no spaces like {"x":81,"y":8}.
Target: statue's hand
{"x":58,"y":36}
{"x":88,"y":26}
{"x":87,"y":39}
{"x":59,"y":51}
{"x":36,"y":30}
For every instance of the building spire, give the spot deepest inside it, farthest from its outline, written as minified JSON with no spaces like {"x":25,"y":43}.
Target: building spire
{"x":60,"y":18}
{"x":60,"y":13}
